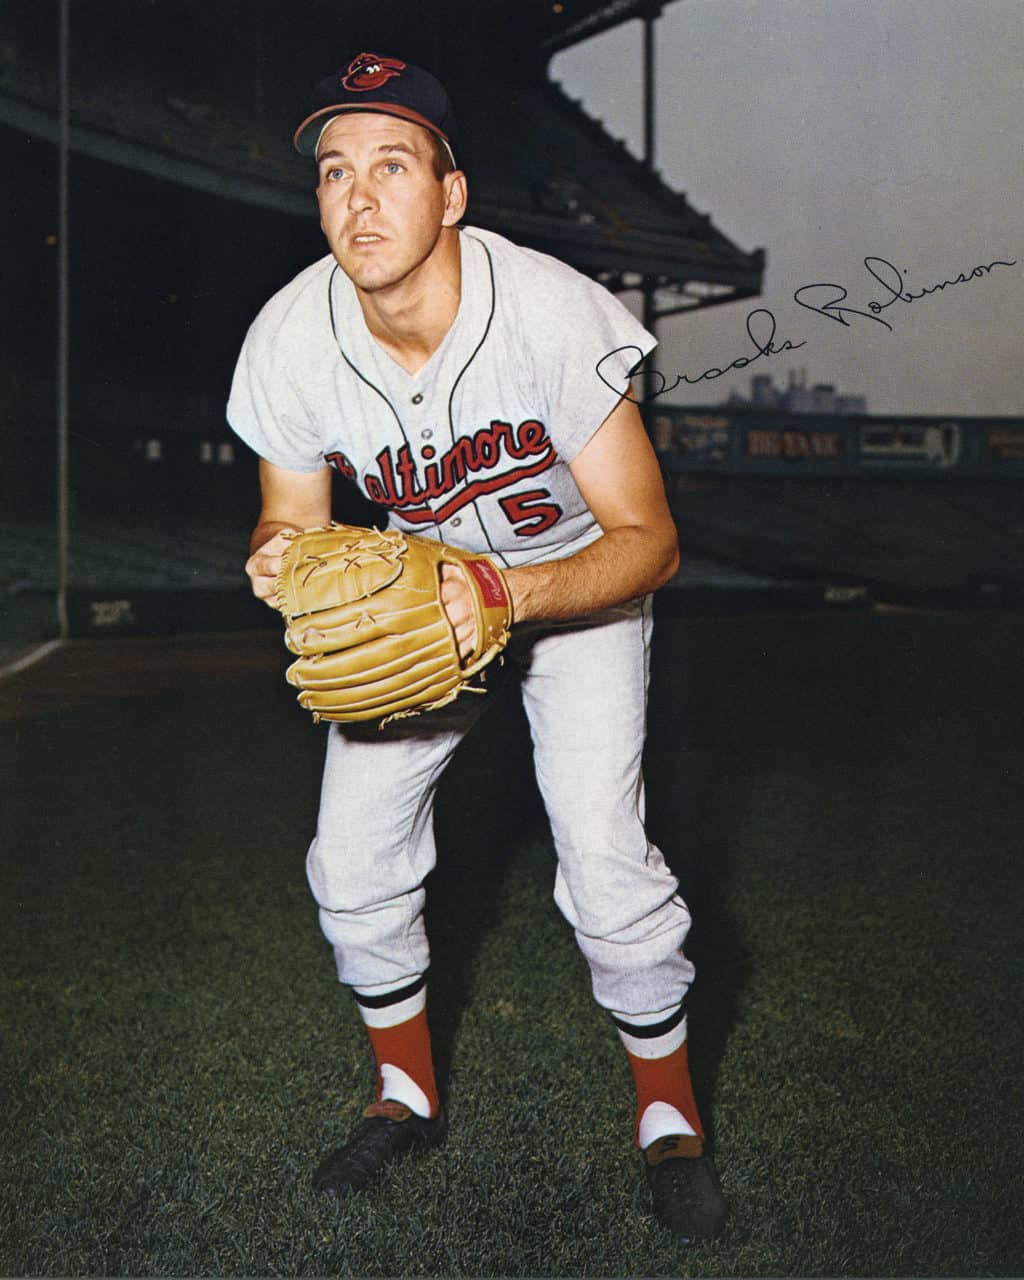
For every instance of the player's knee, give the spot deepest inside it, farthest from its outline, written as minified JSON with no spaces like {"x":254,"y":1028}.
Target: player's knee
{"x":336,"y":882}
{"x":596,"y":916}
{"x":595,"y":803}
{"x":618,"y":893}
{"x":603,"y":845}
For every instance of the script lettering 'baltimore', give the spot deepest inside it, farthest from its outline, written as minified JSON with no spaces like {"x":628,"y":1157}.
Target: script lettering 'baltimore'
{"x":496,"y":457}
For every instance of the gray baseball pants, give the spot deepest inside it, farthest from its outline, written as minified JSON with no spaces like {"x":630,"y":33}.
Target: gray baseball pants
{"x":584,"y":689}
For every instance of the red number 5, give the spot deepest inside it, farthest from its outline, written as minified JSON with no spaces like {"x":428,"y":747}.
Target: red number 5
{"x":530,"y":512}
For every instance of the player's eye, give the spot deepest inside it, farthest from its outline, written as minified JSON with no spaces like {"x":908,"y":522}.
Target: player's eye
{"x":393,"y":166}
{"x":333,"y":175}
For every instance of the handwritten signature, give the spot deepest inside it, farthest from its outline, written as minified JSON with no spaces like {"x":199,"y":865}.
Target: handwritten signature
{"x":764,"y":346}
{"x":828,"y":301}
{"x":890,"y":278}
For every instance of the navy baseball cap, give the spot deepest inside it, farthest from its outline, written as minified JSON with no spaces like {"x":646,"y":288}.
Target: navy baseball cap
{"x":390,"y":86}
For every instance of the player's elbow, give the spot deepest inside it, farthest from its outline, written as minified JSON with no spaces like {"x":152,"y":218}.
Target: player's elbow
{"x":672,"y":566}
{"x":666,"y":560}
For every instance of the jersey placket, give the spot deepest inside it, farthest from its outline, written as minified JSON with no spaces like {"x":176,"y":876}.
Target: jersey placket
{"x":435,"y":438}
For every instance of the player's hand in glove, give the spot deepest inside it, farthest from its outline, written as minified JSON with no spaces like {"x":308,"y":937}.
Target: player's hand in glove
{"x":366,"y":613}
{"x":457,"y":599}
{"x":264,"y":565}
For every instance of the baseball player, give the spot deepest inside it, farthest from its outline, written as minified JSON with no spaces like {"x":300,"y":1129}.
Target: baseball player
{"x":451,"y":375}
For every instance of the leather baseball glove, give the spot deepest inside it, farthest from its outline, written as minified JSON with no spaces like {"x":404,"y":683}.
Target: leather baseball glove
{"x":363,"y":611}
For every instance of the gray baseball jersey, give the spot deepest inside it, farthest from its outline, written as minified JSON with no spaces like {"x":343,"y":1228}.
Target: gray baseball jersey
{"x":475,"y":447}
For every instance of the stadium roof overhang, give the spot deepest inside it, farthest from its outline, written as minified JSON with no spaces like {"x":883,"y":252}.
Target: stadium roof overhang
{"x":193,"y":96}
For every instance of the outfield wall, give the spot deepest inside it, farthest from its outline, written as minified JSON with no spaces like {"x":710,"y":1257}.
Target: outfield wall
{"x":723,"y":440}
{"x":161,"y":511}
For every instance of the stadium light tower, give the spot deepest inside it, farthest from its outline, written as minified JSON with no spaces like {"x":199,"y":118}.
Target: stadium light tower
{"x":650,"y":308}
{"x":63,"y":318}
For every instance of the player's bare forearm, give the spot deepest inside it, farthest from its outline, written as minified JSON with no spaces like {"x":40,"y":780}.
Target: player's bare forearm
{"x":291,"y":500}
{"x":618,"y":475}
{"x":624,"y":563}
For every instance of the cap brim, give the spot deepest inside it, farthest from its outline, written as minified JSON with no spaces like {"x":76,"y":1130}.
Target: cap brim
{"x":308,"y":133}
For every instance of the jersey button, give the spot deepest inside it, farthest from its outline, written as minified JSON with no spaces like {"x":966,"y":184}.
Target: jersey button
{"x":425,"y":435}
{"x":456,"y":522}
{"x":417,"y":398}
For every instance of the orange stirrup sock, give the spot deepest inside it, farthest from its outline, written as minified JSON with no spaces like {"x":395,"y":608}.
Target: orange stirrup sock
{"x":397,"y":1026}
{"x":663,"y":1083}
{"x":659,"y":1060}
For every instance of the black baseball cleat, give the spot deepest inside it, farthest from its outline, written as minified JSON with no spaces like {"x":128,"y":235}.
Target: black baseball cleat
{"x":388,"y":1132}
{"x":688,"y":1198}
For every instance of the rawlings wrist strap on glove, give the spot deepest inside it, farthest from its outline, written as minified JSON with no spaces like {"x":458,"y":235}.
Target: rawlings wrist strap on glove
{"x":363,"y":611}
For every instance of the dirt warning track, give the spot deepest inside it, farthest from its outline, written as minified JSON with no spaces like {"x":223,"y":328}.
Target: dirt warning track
{"x":84,"y":671}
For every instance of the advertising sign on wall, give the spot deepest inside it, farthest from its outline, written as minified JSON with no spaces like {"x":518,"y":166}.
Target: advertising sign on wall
{"x":758,"y":442}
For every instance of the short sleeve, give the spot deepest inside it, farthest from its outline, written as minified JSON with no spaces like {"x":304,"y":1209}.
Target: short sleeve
{"x":266,"y":408}
{"x":586,"y":359}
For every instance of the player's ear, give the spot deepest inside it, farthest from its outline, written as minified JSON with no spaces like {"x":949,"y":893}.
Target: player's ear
{"x":455,"y":197}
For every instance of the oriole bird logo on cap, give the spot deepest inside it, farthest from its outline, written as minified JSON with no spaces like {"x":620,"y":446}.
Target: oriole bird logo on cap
{"x":370,"y":71}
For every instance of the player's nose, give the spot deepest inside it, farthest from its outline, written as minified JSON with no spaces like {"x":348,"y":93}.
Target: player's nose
{"x":361,"y":195}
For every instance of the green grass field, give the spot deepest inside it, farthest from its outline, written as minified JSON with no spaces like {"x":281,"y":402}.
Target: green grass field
{"x":841,"y":798}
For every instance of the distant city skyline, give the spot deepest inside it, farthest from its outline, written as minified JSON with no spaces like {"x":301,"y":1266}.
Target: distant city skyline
{"x":871,"y":147}
{"x":797,"y":395}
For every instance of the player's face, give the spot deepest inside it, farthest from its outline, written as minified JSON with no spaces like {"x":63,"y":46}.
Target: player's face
{"x":382,"y":208}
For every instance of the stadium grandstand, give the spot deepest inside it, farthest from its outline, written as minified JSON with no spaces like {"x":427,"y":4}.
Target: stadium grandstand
{"x":188,"y":207}
{"x":209,"y":94}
